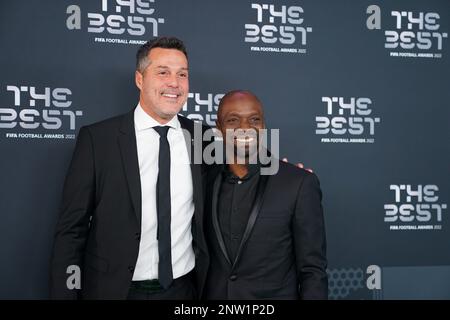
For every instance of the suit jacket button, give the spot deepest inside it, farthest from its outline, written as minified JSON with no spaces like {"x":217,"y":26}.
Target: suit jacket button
{"x":137,"y":236}
{"x":131,"y":268}
{"x":233,"y":277}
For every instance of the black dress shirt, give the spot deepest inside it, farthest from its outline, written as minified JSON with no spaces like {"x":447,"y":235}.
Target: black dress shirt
{"x":235,"y":202}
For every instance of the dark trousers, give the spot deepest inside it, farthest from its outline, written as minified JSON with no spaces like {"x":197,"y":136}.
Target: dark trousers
{"x":182,"y":288}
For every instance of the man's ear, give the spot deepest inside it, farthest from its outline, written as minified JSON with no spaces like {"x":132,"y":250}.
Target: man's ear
{"x":138,"y":79}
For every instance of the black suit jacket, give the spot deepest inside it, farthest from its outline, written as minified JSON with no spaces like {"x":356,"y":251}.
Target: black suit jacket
{"x":283,"y":250}
{"x":100,"y":221}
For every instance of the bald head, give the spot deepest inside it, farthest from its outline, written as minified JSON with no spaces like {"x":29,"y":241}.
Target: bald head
{"x":240,"y":103}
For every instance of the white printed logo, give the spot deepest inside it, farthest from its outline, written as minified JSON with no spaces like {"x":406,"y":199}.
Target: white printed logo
{"x":39,"y":113}
{"x":414,"y":208}
{"x":202,"y":107}
{"x":347,"y":120}
{"x":409,"y":34}
{"x":121,"y":19}
{"x":280,"y":29}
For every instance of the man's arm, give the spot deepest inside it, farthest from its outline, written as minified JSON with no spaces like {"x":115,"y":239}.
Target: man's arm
{"x":310,"y":240}
{"x":73,"y":224}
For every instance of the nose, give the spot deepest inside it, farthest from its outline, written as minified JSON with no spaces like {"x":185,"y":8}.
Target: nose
{"x":172,"y":81}
{"x":245,"y":125}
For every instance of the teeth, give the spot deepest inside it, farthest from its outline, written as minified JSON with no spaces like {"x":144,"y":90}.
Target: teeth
{"x":168,"y":95}
{"x":248,"y":139}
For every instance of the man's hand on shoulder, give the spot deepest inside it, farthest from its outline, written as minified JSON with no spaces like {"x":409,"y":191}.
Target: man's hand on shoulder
{"x":300,"y":165}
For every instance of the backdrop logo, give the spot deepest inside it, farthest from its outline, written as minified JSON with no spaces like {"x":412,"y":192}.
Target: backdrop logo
{"x":120,"y":19}
{"x":354,"y":282}
{"x":202,"y":107}
{"x":409,"y":34}
{"x":414,"y":208}
{"x":347,"y":120}
{"x":278,"y":29}
{"x":38,"y":113}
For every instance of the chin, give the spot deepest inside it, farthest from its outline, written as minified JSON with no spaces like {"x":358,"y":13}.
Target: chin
{"x":171,"y":111}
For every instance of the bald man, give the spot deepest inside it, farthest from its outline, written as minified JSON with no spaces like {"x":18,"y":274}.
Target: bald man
{"x":265,"y":233}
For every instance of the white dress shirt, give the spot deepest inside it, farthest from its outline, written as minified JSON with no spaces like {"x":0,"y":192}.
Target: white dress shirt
{"x":181,"y":191}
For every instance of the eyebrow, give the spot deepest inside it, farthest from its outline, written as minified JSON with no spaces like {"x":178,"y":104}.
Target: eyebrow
{"x":166,"y":67}
{"x":234,"y":113}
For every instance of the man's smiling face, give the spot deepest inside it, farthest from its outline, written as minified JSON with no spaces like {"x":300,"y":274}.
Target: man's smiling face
{"x":164,"y":84}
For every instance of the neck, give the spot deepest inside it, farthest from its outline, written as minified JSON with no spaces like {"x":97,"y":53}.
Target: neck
{"x":240,"y":170}
{"x":154,"y":115}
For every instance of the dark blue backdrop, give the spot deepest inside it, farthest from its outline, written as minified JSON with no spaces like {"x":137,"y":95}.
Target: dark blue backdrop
{"x":359,"y":91}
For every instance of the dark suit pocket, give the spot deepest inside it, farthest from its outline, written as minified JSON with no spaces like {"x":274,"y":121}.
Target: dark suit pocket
{"x":95,"y":262}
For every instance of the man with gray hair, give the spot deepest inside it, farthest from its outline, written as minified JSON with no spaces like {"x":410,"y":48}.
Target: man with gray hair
{"x":126,"y":227}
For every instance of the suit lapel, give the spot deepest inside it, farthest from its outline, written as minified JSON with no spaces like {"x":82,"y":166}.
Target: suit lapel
{"x":215,"y":218}
{"x":128,"y":150}
{"x":253,"y":215}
